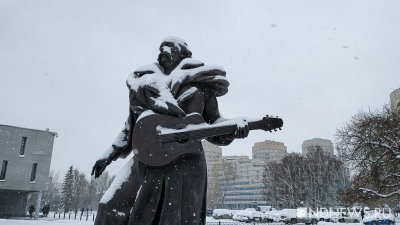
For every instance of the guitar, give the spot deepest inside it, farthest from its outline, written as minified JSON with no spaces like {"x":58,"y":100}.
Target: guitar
{"x":160,"y":139}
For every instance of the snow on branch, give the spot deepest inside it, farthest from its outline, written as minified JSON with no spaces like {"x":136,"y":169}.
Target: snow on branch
{"x":367,"y":190}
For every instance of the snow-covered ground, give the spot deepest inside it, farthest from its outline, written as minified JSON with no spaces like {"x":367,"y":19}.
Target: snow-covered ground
{"x":56,"y":221}
{"x":43,"y":222}
{"x":48,"y":221}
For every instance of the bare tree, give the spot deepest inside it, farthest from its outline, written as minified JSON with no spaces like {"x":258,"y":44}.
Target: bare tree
{"x":98,"y":187}
{"x":283,"y":182}
{"x":370,"y":144}
{"x":327,"y":178}
{"x":313,"y":181}
{"x":52,"y":195}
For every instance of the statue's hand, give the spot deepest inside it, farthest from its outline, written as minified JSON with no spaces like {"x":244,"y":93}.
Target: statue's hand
{"x":242,"y":129}
{"x":100,"y":166}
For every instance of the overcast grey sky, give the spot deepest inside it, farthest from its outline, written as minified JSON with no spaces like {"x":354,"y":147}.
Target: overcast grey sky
{"x":63,"y":64}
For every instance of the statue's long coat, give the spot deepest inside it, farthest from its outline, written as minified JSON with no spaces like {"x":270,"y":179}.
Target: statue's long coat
{"x":176,"y":193}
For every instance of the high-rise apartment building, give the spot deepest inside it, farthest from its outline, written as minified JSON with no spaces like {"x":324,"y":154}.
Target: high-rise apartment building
{"x":269,"y":151}
{"x":242,"y":185}
{"x":236,"y":182}
{"x":395,"y":99}
{"x":312,"y":144}
{"x":214,"y":160}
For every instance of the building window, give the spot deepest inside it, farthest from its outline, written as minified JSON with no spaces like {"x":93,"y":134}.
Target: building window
{"x":33,"y":173}
{"x":3,"y":170}
{"x":23,"y":144}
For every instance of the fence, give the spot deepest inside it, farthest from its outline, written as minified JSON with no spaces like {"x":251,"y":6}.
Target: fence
{"x":86,"y":216}
{"x":75,"y":216}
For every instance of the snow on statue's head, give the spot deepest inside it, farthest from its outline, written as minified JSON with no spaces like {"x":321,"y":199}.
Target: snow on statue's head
{"x":172,"y":51}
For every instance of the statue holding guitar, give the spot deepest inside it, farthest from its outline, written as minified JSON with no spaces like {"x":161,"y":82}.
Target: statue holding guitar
{"x":173,"y":106}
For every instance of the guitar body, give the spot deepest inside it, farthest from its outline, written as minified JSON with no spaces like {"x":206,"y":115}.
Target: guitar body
{"x":151,"y":151}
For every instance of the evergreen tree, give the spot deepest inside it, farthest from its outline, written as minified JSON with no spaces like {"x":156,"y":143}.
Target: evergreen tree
{"x":67,"y":190}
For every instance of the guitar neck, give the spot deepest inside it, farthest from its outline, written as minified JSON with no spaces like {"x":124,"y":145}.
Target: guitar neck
{"x":205,"y":132}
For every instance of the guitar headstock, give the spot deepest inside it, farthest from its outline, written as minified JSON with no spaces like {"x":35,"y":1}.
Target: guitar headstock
{"x":269,"y":123}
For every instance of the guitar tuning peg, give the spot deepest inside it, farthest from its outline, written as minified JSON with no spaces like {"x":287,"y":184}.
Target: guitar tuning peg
{"x":270,"y":131}
{"x":280,"y":128}
{"x":275,"y":130}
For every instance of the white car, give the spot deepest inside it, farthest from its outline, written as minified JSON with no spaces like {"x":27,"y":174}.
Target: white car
{"x":345,"y":217}
{"x":256,"y":216}
{"x":299,"y":215}
{"x":272,"y":216}
{"x":222,"y":214}
{"x":244,"y":215}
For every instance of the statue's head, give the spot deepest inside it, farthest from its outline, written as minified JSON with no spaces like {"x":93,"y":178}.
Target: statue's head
{"x":172,"y":51}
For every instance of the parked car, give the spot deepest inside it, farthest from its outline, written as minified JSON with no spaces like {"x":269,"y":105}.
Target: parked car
{"x":272,"y":216}
{"x":323,"y":214}
{"x":380,"y":222}
{"x":245,"y":215}
{"x":209,"y":212}
{"x":348,"y":218}
{"x":222,"y":214}
{"x":265,"y":208}
{"x":299,"y":215}
{"x":379,"y":219}
{"x":345,"y":216}
{"x":256,"y":216}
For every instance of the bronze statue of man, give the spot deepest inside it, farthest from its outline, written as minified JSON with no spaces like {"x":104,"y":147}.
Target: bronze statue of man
{"x":175,"y":193}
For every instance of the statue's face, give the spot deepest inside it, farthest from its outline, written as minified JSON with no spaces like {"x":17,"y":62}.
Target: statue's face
{"x":170,"y":55}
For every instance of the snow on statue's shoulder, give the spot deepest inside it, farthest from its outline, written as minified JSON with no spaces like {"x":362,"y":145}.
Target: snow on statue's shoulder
{"x":147,"y":69}
{"x":151,"y":79}
{"x":149,"y":75}
{"x":189,"y":63}
{"x":134,"y":79}
{"x":193,"y":70}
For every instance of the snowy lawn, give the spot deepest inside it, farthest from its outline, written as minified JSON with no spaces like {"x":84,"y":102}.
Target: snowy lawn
{"x":44,"y":221}
{"x":56,"y":221}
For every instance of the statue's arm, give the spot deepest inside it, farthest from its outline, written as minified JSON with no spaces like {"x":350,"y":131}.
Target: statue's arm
{"x":212,"y":115}
{"x":120,"y":148}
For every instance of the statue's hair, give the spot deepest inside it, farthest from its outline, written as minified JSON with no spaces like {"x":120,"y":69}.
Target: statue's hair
{"x":184,"y":48}
{"x":186,"y":53}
